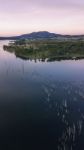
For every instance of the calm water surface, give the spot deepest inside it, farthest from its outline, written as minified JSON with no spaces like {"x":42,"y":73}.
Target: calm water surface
{"x":41,"y":104}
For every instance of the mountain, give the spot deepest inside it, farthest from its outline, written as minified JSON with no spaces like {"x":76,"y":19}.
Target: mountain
{"x":43,"y":35}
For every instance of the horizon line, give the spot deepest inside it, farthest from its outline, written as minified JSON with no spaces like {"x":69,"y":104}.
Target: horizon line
{"x":80,"y":34}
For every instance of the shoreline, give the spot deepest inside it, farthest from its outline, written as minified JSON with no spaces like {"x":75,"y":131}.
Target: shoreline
{"x":49,"y":50}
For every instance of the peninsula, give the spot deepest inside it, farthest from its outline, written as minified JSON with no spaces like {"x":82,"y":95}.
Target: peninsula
{"x":45,"y":45}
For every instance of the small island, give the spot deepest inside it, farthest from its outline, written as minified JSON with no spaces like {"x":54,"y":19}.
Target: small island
{"x":49,"y":49}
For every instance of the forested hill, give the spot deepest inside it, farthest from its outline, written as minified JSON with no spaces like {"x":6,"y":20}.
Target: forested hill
{"x":44,"y":35}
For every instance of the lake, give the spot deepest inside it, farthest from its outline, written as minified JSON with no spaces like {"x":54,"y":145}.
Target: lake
{"x":41,"y":103}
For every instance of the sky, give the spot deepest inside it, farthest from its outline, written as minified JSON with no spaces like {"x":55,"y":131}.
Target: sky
{"x":26,"y":16}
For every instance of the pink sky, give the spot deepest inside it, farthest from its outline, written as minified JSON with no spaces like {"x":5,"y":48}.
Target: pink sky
{"x":25,"y":16}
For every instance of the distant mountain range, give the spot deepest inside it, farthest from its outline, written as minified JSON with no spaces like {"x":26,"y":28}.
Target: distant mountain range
{"x":43,"y":35}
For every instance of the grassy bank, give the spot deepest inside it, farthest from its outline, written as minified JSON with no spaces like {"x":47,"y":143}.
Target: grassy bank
{"x":51,"y":49}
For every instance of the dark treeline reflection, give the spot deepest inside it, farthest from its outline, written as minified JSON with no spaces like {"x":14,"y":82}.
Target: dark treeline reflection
{"x":52,"y":59}
{"x":41,"y":104}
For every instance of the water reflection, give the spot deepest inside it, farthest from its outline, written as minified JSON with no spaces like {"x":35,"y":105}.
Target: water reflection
{"x":41,"y":104}
{"x":63,"y":101}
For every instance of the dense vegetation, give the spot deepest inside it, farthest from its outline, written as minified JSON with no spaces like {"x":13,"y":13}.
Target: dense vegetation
{"x":51,"y":49}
